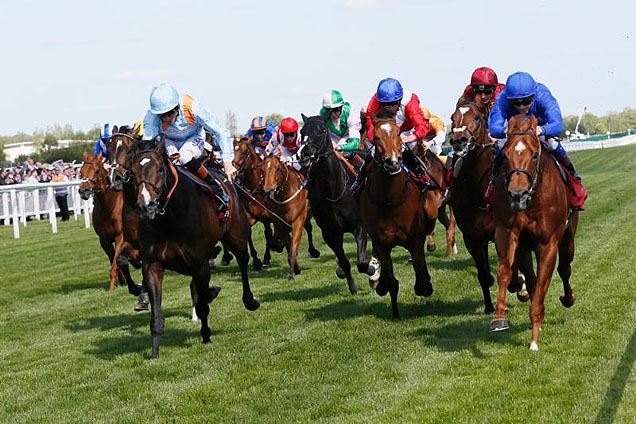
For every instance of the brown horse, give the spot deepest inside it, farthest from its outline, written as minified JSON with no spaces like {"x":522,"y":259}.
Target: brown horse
{"x":250,"y":184}
{"x":475,"y":153}
{"x":178,"y":230}
{"x":531,"y":214}
{"x":395,"y":212}
{"x":107,"y":219}
{"x":286,"y":197}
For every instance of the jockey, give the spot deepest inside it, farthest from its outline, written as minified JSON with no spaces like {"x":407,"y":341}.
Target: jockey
{"x":343,"y":123}
{"x":404,"y":106}
{"x":139,"y":128}
{"x":523,"y":95}
{"x":183,"y":121}
{"x":483,"y":89}
{"x":260,"y":133}
{"x":437,"y":132}
{"x":101,"y":145}
{"x":287,"y":138}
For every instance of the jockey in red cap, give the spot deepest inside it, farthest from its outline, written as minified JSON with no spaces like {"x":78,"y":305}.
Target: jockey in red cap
{"x":287,"y":138}
{"x":483,"y":89}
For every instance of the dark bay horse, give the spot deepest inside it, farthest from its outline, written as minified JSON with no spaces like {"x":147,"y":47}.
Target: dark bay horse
{"x":107,"y":219}
{"x":476,"y":152}
{"x":250,"y":187}
{"x":532,"y":214}
{"x":396,"y":213}
{"x":330,"y":198}
{"x":178,"y":229}
{"x":286,"y":197}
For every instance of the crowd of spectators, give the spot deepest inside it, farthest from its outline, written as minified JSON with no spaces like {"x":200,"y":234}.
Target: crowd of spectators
{"x":31,"y":172}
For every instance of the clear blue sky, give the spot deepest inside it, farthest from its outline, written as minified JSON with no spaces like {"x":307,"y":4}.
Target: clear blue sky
{"x":84,"y":62}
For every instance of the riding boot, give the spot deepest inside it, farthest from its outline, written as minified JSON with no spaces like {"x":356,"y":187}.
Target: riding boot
{"x":566,"y":162}
{"x":362,"y":174}
{"x":222,"y":198}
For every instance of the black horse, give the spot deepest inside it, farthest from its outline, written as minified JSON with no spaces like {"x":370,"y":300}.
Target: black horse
{"x":178,"y":229}
{"x":330,"y":198}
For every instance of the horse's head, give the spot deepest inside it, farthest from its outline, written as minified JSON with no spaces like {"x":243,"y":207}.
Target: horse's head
{"x":469,"y":128}
{"x":121,"y":151}
{"x":149,"y":171}
{"x":94,"y":177}
{"x":388,"y":145}
{"x":316,"y":140}
{"x":274,"y":175}
{"x":522,"y":159}
{"x":241,"y":152}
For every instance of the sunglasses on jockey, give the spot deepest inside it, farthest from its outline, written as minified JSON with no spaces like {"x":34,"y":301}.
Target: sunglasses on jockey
{"x":335,"y":109}
{"x":485,"y":89}
{"x":289,"y":134}
{"x":170,"y":113}
{"x":522,"y":102}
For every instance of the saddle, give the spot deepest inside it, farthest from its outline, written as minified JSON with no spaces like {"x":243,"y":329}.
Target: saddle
{"x":217,"y":175}
{"x":578,"y":194}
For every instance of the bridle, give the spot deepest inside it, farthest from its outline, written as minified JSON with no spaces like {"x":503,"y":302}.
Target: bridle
{"x":316,"y":157}
{"x":92,"y":184}
{"x":279,"y":188}
{"x":164,"y":184}
{"x":536,"y":157}
{"x":471,"y":145}
{"x":126,"y":174}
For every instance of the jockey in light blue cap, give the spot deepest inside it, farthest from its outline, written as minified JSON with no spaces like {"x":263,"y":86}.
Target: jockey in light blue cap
{"x":183,"y":122}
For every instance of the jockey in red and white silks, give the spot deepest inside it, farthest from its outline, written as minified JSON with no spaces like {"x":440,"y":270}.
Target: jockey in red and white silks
{"x":287,"y":139}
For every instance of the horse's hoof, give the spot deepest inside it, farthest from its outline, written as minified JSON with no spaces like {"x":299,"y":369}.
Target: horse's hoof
{"x":267,"y":262}
{"x":141,"y":306}
{"x":381,"y":290}
{"x":252,"y":305}
{"x":567,"y":302}
{"x":424,"y":289}
{"x":534,"y":347}
{"x":489,"y":310}
{"x":431,"y":247}
{"x":371,"y":270}
{"x":523,"y":295}
{"x":340,"y":273}
{"x":353,"y":289}
{"x":212,"y":263}
{"x":373,"y":283}
{"x":499,"y":324}
{"x":213,"y":293}
{"x":297,"y":270}
{"x":216,"y":251}
{"x":257,"y":265}
{"x":226,"y":260}
{"x":314,"y":253}
{"x":290,"y":278}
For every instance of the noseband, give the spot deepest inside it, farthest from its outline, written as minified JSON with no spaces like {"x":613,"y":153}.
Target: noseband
{"x":92,"y":185}
{"x":159,"y":190}
{"x":114,"y":165}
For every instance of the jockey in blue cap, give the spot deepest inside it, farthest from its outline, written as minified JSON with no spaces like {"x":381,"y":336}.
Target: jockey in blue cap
{"x":101,"y":145}
{"x":183,"y":121}
{"x":523,"y":95}
{"x":260,"y":133}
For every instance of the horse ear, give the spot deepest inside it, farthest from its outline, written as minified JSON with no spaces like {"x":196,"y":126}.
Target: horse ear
{"x":533,"y":123}
{"x":115,"y":130}
{"x":302,"y":115}
{"x":511,"y":124}
{"x":161,"y":146}
{"x":85,"y":156}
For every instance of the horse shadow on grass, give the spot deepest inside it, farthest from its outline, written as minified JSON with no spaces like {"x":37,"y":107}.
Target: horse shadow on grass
{"x":67,"y":288}
{"x":354,"y":307}
{"x":300,"y":295}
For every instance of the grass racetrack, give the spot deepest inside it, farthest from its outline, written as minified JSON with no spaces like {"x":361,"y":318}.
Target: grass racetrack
{"x":72,"y":352}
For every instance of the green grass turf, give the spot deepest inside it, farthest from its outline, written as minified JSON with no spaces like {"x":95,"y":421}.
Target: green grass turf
{"x":72,"y":352}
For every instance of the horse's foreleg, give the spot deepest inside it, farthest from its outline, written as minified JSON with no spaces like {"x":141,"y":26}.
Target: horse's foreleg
{"x":257,"y":264}
{"x":506,"y":242}
{"x":267,"y":257}
{"x":423,"y":286}
{"x":361,"y":243}
{"x":451,"y":245}
{"x":334,"y":241}
{"x":153,"y":281}
{"x":430,"y":244}
{"x":115,"y":270}
{"x":388,"y":282}
{"x":313,"y":252}
{"x":107,"y":246}
{"x":478,"y":249}
{"x":202,"y":295}
{"x":237,"y":244}
{"x":227,"y":256}
{"x":294,"y":245}
{"x":546,"y":259}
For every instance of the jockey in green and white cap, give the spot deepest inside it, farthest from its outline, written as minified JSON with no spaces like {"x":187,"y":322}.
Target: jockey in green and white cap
{"x":344,"y":123}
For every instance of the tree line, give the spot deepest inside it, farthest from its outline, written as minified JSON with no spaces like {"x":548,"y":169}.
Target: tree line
{"x":612,"y":122}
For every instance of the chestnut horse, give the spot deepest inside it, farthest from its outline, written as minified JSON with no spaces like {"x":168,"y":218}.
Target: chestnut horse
{"x":532,"y":213}
{"x":250,"y":184}
{"x":178,"y":229}
{"x":475,"y":153}
{"x":286,"y":197}
{"x":330,"y":197}
{"x":395,"y":212}
{"x":107,"y":219}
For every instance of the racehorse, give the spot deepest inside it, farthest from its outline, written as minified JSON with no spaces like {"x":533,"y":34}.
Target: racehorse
{"x":476,"y":152}
{"x":396,"y":212}
{"x":286,"y":197}
{"x":178,"y":229}
{"x":330,"y":198}
{"x":107,"y":219}
{"x":250,"y":183}
{"x":532,"y":213}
